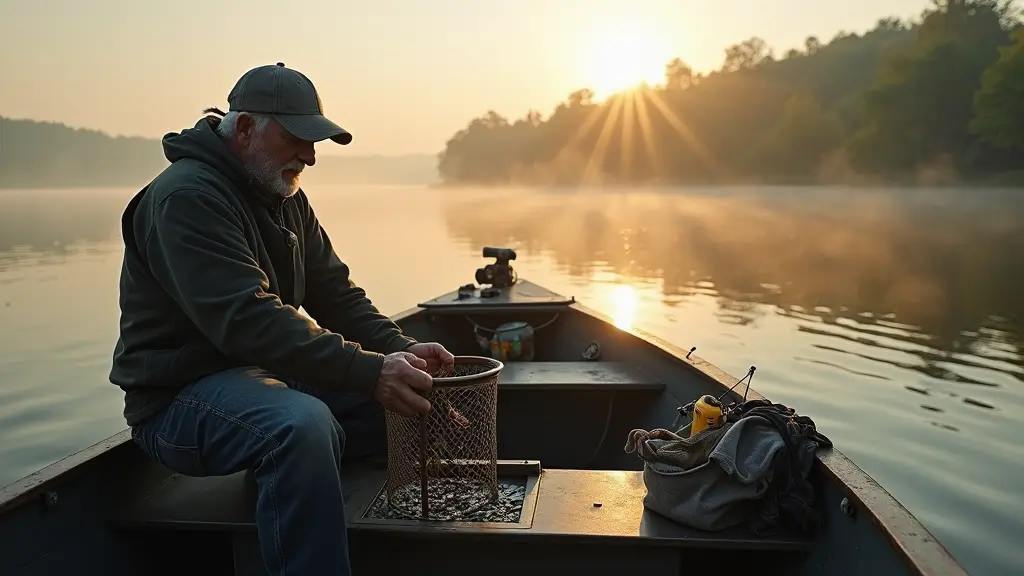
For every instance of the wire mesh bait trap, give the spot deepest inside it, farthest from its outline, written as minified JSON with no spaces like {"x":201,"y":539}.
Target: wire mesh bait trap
{"x":444,"y":465}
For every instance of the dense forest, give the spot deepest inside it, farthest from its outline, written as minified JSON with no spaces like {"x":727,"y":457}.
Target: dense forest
{"x":50,"y":155}
{"x":933,"y":101}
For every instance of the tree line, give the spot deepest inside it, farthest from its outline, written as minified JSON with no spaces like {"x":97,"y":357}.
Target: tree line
{"x":52,"y":155}
{"x":936,"y":100}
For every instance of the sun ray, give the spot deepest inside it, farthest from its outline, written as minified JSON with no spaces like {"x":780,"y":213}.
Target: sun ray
{"x":647,"y":134}
{"x":589,"y":122}
{"x":595,"y":163}
{"x":626,"y":142}
{"x":702,"y":152}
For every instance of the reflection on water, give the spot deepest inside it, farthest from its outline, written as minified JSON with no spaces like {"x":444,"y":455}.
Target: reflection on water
{"x":892,"y":318}
{"x":59,"y":254}
{"x":622,"y":299}
{"x":44,"y":227}
{"x":922,"y":268}
{"x":926,"y":276}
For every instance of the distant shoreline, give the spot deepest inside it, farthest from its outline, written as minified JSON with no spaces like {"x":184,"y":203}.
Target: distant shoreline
{"x":999,"y":181}
{"x":48,"y":155}
{"x":1010,"y":180}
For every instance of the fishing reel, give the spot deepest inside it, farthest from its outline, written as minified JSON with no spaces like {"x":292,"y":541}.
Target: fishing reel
{"x":499,"y":274}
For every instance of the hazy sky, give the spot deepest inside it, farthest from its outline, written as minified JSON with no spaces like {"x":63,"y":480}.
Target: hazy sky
{"x":401,"y":75}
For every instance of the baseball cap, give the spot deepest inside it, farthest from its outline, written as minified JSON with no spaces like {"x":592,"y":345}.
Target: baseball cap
{"x":290,"y":98}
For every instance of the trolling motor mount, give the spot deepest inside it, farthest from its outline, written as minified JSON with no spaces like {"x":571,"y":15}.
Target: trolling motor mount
{"x":500,"y":273}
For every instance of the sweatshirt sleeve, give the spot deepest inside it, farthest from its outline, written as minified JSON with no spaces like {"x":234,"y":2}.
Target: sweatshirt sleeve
{"x":197,"y":250}
{"x":335,"y":300}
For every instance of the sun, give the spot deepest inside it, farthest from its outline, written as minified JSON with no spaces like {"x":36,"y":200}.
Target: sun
{"x":623,"y":56}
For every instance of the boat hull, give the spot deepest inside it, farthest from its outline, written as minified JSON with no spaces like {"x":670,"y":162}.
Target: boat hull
{"x":112,"y":510}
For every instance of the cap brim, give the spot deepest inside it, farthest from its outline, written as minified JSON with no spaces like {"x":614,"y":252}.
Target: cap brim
{"x":313,"y":128}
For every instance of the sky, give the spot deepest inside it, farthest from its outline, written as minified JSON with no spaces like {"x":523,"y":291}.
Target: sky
{"x":401,"y":75}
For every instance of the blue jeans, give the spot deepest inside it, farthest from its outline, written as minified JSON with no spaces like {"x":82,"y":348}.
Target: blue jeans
{"x":292,"y":437}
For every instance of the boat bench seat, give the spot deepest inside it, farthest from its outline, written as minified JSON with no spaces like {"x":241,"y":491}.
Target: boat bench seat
{"x":576,"y":376}
{"x":595,"y":506}
{"x":161,"y":499}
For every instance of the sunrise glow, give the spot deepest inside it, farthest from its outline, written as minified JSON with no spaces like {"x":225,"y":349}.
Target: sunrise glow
{"x":623,"y":56}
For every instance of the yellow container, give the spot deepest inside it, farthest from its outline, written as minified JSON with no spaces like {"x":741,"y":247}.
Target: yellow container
{"x":707,"y":413}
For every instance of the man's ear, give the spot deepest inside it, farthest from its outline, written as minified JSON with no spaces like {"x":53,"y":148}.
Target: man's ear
{"x":243,"y":129}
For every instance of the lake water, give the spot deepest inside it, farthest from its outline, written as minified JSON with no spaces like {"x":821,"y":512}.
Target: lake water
{"x":892,"y":318}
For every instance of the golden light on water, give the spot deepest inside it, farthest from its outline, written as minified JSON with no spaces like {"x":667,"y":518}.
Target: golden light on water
{"x":623,"y":300}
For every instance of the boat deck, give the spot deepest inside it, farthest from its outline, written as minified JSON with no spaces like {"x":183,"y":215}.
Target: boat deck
{"x":582,"y":504}
{"x":574,"y":509}
{"x":594,"y":516}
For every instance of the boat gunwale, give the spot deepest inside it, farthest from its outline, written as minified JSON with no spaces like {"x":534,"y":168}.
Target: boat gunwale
{"x":921,"y":551}
{"x":44,"y":479}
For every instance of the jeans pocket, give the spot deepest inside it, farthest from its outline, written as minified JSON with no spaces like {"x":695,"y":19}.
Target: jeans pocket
{"x":181,"y":459}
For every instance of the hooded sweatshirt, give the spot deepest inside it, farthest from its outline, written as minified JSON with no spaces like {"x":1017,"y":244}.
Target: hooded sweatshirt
{"x":215,"y":268}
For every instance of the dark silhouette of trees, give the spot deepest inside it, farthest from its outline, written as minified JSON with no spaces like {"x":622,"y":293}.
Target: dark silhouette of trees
{"x":999,"y":121}
{"x":747,"y":55}
{"x":44,"y":154}
{"x":903,"y":102}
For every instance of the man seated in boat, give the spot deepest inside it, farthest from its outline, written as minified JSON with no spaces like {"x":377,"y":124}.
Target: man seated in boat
{"x":221,"y":372}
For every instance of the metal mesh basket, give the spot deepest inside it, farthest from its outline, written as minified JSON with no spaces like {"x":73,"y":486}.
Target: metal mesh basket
{"x":443,"y":465}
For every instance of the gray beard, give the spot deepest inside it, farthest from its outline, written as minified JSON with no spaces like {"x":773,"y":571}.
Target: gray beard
{"x":270,"y":174}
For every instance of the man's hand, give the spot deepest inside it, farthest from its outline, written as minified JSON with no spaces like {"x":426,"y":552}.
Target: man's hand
{"x":435,"y":355}
{"x":402,"y":375}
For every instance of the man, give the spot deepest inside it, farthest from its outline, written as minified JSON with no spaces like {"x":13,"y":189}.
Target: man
{"x":220,"y":371}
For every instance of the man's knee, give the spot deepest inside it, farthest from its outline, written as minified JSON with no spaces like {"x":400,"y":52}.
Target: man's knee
{"x":306,"y":423}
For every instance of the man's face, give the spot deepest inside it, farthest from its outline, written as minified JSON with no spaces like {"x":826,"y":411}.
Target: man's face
{"x":274,"y":156}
